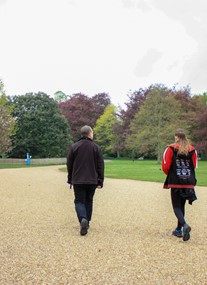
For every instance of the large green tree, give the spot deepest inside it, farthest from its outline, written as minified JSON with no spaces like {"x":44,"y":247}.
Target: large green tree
{"x":135,"y":100}
{"x":41,"y":128}
{"x":104,"y":131}
{"x":7,"y":123}
{"x":154,"y":125}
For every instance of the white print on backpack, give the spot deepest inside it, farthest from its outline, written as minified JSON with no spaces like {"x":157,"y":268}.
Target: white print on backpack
{"x":182,"y":170}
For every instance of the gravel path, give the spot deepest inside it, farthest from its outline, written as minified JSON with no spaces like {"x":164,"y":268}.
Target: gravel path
{"x":129,"y":241}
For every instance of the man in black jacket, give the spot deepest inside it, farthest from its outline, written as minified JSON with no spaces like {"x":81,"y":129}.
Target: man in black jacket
{"x":85,"y":166}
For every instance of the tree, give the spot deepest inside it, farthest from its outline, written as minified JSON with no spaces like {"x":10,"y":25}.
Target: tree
{"x":99,"y":103}
{"x":104,"y":130}
{"x":135,"y":101}
{"x":82,"y":110}
{"x":154,"y":125}
{"x":188,"y":106}
{"x":60,"y":96}
{"x":200,"y":134}
{"x":194,"y":113}
{"x":41,"y":128}
{"x":199,"y":129}
{"x":77,"y":110}
{"x":7,"y":123}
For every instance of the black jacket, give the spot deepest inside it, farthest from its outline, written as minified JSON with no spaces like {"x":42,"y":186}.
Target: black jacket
{"x":85,"y":163}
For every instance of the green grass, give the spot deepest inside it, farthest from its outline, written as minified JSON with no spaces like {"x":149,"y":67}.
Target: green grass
{"x":144,"y":170}
{"x":147,"y":170}
{"x":201,"y":173}
{"x":6,"y":166}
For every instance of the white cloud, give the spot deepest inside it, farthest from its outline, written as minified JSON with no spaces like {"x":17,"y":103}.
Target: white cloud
{"x":97,"y":46}
{"x":145,"y":65}
{"x":192,"y":16}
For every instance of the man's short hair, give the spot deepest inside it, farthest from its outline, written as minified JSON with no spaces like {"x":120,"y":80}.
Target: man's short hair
{"x":85,"y":131}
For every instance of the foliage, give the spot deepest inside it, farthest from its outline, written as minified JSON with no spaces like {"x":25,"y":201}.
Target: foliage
{"x":7,"y":123}
{"x":189,"y":106}
{"x":201,"y":133}
{"x":119,"y":135}
{"x":153,"y":126}
{"x":41,"y":128}
{"x":82,"y":110}
{"x":104,"y":130}
{"x":199,"y":129}
{"x":60,"y":96}
{"x":135,"y":101}
{"x":144,"y":128}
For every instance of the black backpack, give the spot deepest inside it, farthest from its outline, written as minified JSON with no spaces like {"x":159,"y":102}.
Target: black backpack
{"x":182,"y":169}
{"x":181,"y":173}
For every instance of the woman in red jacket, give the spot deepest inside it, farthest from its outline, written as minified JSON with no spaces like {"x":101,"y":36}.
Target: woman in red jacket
{"x":179,"y":163}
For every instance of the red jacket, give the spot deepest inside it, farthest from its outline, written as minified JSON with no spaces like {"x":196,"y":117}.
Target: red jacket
{"x":168,"y":155}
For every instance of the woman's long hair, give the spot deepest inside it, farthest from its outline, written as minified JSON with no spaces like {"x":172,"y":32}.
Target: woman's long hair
{"x":184,"y":143}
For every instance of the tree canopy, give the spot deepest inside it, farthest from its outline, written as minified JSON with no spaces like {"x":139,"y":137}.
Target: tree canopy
{"x":104,"y":130}
{"x":200,"y":125}
{"x":46,"y":126}
{"x":60,"y":96}
{"x":7,"y":123}
{"x":154,"y":125}
{"x":41,"y":128}
{"x":82,"y":110}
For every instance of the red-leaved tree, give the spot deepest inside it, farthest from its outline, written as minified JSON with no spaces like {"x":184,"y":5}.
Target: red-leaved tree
{"x":82,"y":110}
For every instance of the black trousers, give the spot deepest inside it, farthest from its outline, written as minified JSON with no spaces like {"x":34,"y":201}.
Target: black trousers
{"x":178,"y":204}
{"x":84,"y":200}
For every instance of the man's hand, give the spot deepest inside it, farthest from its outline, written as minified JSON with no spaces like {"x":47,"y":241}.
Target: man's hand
{"x":98,"y":187}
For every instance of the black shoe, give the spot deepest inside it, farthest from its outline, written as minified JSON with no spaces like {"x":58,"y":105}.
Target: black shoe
{"x":186,"y":232}
{"x":84,"y":227}
{"x":177,"y":233}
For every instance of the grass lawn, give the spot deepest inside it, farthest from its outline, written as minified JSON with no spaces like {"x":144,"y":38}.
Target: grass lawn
{"x":4,"y":166}
{"x":146,"y":170}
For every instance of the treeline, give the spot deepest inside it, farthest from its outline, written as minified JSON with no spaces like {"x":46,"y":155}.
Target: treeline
{"x":46,"y":126}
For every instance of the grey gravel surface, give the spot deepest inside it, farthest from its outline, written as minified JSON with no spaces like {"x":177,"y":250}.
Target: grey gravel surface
{"x":129,"y":240}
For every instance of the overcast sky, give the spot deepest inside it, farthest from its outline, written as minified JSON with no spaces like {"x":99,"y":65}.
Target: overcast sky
{"x":94,"y":46}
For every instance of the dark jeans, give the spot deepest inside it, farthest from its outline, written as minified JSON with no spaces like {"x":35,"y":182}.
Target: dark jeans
{"x":84,"y":200}
{"x":178,"y":204}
